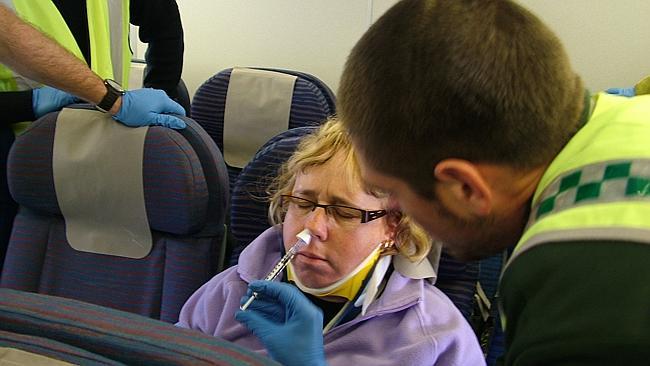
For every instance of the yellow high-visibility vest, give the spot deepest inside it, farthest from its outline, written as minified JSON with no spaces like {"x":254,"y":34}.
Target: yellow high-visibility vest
{"x":108,"y":27}
{"x":598,"y":187}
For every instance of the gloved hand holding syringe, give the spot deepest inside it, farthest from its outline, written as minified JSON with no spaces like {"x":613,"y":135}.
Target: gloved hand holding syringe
{"x":304,"y":237}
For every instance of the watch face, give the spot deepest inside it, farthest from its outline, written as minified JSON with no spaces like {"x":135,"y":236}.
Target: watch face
{"x":113,"y":84}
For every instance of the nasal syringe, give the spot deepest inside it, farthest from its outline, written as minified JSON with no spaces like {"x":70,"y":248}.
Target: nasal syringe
{"x":304,"y":237}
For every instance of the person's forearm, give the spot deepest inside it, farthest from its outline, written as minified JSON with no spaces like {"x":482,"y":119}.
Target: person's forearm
{"x":36,"y":56}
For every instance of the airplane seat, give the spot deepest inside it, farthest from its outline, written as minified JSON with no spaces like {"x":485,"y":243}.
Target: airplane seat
{"x":34,"y":326}
{"x":22,"y":349}
{"x":249,"y":206}
{"x":135,"y":225}
{"x":249,"y":216}
{"x":457,"y":280}
{"x":485,"y":319}
{"x":242,"y":108}
{"x":183,"y":97}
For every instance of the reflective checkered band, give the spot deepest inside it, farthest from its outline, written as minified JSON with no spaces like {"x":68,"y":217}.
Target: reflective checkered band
{"x":611,"y":181}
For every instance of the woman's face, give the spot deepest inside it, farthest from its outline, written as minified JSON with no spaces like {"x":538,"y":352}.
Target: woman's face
{"x":337,"y":246}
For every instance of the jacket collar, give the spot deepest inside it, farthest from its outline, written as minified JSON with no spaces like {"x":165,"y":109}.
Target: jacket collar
{"x":403,"y":288}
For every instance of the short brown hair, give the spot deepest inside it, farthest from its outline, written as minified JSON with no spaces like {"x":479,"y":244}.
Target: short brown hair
{"x":481,"y":80}
{"x":317,"y":149}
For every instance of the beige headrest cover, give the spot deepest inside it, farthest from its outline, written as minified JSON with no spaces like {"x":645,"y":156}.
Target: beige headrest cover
{"x":97,"y":167}
{"x":258,"y":105}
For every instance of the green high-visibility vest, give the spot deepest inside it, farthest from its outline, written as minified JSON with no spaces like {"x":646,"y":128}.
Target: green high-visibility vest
{"x":108,"y":27}
{"x":598,"y":187}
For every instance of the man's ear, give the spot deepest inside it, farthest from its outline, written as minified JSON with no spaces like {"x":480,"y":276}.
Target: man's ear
{"x":461,"y":184}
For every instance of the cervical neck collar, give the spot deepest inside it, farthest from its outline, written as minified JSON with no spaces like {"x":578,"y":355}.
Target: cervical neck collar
{"x":347,"y":287}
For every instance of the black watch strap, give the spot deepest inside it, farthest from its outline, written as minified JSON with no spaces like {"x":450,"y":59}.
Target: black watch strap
{"x":113,"y":91}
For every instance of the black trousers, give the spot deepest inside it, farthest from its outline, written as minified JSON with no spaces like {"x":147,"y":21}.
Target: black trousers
{"x":8,"y":206}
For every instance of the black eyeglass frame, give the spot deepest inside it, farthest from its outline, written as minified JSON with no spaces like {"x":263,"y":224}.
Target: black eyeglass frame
{"x":366,"y":215}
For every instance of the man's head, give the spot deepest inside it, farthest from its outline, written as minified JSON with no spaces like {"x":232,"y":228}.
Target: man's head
{"x":482,"y":82}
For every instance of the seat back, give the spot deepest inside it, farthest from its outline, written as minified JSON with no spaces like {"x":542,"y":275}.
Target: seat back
{"x":22,"y":349}
{"x":310,"y":102}
{"x":183,"y":97}
{"x":185,"y":191}
{"x":458,"y":281}
{"x":87,"y":334}
{"x":486,"y":319}
{"x":249,"y":205}
{"x":249,"y":215}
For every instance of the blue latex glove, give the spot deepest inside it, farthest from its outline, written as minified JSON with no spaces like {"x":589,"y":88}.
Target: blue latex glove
{"x":146,"y":107}
{"x":625,"y":92}
{"x":48,"y":99}
{"x":286,"y":322}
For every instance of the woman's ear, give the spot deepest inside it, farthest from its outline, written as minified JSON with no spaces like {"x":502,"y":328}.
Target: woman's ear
{"x":393,"y":219}
{"x":462,"y":188}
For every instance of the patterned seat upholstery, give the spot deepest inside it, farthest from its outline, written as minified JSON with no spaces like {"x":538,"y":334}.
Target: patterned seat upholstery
{"x":87,"y":334}
{"x":489,"y":330}
{"x":183,"y":97}
{"x":42,"y":347}
{"x":249,"y":208}
{"x":186,"y":196}
{"x":249,"y":216}
{"x":458,"y":281}
{"x":312,"y":103}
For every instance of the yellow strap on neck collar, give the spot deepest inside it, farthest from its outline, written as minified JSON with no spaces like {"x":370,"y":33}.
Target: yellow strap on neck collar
{"x":347,"y":287}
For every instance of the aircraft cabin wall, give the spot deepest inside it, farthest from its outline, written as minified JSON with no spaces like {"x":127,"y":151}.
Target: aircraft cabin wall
{"x":607,"y":40}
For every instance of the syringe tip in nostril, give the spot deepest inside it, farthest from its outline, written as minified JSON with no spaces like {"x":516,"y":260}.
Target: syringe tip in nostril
{"x":305,"y":236}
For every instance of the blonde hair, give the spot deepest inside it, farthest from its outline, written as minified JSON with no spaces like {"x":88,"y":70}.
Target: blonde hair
{"x":316,"y":149}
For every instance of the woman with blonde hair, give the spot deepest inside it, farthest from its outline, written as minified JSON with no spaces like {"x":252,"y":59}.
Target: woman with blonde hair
{"x":364,"y":270}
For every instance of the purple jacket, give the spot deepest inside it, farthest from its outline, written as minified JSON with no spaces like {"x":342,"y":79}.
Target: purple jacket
{"x":411,"y":323}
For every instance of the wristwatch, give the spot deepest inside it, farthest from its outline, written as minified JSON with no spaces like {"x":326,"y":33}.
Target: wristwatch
{"x":113,"y":91}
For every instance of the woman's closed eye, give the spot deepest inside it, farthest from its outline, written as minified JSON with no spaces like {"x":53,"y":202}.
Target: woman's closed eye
{"x":345,"y":213}
{"x":304,"y":205}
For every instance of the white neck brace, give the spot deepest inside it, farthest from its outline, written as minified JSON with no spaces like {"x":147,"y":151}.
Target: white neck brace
{"x":331,"y":289}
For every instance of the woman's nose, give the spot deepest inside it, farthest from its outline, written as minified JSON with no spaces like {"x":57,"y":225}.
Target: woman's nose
{"x":317,"y":222}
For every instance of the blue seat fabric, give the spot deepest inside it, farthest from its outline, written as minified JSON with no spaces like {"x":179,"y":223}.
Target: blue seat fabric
{"x":489,"y":275}
{"x":186,"y":197}
{"x":68,"y":329}
{"x":249,"y":208}
{"x":312,"y":103}
{"x":52,"y":349}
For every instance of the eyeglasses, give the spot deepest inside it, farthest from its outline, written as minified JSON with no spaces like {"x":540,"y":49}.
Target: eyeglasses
{"x":340,"y":213}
